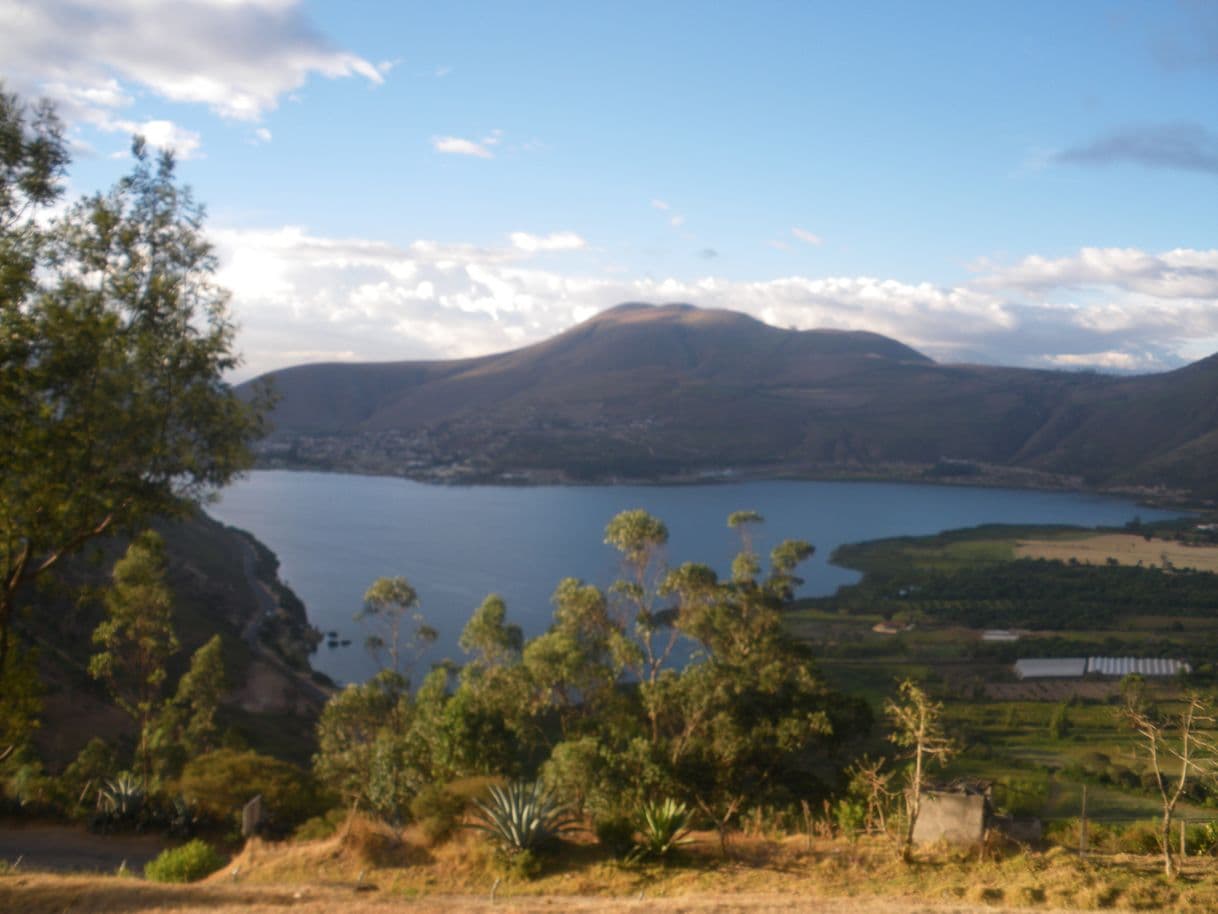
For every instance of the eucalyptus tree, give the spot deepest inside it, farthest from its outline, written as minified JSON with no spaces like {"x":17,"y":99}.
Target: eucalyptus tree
{"x":400,"y":634}
{"x":114,"y":345}
{"x":136,"y":639}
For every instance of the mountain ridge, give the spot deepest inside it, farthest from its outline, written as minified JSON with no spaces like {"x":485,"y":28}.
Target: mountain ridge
{"x":642,"y":391}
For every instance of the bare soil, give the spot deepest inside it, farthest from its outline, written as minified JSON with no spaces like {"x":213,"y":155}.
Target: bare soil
{"x":69,"y":848}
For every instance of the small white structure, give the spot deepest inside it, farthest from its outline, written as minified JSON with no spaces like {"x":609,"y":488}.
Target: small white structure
{"x":1055,"y":668}
{"x":999,"y":634}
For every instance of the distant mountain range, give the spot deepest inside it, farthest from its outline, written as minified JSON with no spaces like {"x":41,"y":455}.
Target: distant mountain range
{"x":644,"y":392}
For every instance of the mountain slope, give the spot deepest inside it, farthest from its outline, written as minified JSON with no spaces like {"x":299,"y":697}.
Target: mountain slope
{"x":648,"y":391}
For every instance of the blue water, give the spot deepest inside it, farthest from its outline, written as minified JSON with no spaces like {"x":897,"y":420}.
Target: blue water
{"x":335,"y":534}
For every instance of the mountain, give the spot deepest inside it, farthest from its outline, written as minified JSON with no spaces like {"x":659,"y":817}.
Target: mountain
{"x":677,"y":391}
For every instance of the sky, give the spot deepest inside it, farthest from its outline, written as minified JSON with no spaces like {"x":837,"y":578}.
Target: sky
{"x":1030,"y":183}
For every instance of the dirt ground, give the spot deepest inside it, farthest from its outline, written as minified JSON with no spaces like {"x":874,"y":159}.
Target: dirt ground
{"x":67,"y":849}
{"x":41,"y":894}
{"x":1125,"y":548}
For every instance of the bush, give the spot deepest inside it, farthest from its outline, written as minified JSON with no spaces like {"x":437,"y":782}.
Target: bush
{"x":522,"y":817}
{"x":222,"y":782}
{"x":664,"y":827}
{"x":437,"y":810}
{"x":616,"y":834}
{"x":188,"y":863}
{"x":321,"y":827}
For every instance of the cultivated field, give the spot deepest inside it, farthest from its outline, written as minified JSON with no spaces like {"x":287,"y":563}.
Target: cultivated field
{"x":1122,"y":548}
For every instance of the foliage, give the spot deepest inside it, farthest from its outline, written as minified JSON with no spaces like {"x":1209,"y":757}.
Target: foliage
{"x":186,"y":727}
{"x":222,"y":782}
{"x":521,"y":817}
{"x":390,"y":604}
{"x":84,"y":778}
{"x":115,"y":343}
{"x":121,"y":801}
{"x":663,"y":828}
{"x":191,"y":862}
{"x":136,"y":638}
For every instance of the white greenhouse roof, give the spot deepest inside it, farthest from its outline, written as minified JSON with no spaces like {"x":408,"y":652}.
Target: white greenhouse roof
{"x":1063,"y":667}
{"x":1074,"y":667}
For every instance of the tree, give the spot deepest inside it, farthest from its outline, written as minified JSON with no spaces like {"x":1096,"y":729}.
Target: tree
{"x":113,"y":397}
{"x":136,"y":638}
{"x":917,"y":724}
{"x":1184,"y":741}
{"x":388,"y":604}
{"x":186,"y":728}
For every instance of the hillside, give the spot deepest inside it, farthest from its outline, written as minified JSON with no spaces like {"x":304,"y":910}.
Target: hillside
{"x":224,"y":582}
{"x":677,"y":391}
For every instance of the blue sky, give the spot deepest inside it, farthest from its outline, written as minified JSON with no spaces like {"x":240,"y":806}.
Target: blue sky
{"x":1024,"y":183}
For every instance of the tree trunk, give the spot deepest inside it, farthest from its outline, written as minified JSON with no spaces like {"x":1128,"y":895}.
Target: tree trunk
{"x":1169,"y":863}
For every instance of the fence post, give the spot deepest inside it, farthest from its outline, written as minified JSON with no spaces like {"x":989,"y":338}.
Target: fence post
{"x":1082,"y":826}
{"x":1183,"y":844}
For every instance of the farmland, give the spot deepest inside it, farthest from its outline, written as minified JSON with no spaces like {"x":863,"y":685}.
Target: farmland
{"x":1067,"y":592}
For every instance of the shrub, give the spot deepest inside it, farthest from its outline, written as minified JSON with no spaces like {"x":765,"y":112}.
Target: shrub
{"x":663,"y":829}
{"x":437,"y":810}
{"x":188,"y":863}
{"x":616,"y":834}
{"x":522,"y":817}
{"x":321,"y":827}
{"x":120,"y":802}
{"x":223,"y":781}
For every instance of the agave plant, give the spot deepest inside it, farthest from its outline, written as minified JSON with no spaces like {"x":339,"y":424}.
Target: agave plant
{"x":522,"y":816}
{"x":122,"y":798}
{"x":664,"y":827}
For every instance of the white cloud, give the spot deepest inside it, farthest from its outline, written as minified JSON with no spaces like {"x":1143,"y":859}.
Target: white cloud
{"x":454,"y":145}
{"x":262,"y":135}
{"x":237,"y":57}
{"x":807,"y":237}
{"x":559,"y":241}
{"x":159,"y":134}
{"x":297,"y":293}
{"x":677,"y":221}
{"x":660,"y":205}
{"x":1180,"y":273}
{"x":1112,"y":360}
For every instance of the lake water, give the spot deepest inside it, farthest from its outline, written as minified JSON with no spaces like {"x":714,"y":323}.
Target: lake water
{"x":335,"y":534}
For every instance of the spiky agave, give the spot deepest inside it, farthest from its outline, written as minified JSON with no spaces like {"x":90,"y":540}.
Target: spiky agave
{"x":122,"y":797}
{"x":522,"y":816}
{"x":663,"y":828}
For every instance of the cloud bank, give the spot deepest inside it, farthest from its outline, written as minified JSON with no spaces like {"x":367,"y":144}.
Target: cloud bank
{"x":301,"y":297}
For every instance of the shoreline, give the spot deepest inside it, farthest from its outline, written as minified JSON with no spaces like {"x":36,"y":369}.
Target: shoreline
{"x":987,"y":476}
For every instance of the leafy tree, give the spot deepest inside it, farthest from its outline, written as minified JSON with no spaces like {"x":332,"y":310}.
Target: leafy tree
{"x":488,"y":635}
{"x":917,"y":724}
{"x":187,"y":727}
{"x":347,"y":733}
{"x":136,"y":638}
{"x":112,"y":357}
{"x":390,"y":605}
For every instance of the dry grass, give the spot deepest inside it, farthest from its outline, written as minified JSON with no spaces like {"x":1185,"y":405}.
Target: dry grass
{"x":366,"y":869}
{"x":1124,"y":548}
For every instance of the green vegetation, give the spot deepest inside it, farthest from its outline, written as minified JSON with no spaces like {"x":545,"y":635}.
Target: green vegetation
{"x":191,"y":862}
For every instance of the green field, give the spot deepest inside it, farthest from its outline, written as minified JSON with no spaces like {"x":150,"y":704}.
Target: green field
{"x":941,"y":592}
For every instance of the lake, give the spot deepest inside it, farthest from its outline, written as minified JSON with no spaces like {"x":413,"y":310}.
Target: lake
{"x":335,"y":534}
